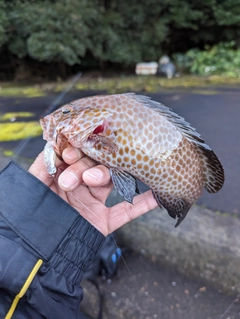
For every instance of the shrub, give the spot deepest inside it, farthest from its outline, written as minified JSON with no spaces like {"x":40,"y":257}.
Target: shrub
{"x":222,"y":59}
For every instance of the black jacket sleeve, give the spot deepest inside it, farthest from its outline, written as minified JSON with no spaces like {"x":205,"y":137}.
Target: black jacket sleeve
{"x":45,"y":249}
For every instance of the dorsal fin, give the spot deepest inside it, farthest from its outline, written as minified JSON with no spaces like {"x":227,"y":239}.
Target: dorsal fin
{"x":213,"y":173}
{"x":186,"y":129}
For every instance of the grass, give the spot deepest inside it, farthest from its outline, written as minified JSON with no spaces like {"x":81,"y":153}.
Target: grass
{"x":119,"y":84}
{"x":21,"y":90}
{"x":152,"y":83}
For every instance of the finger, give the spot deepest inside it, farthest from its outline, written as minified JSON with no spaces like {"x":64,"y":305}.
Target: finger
{"x":124,"y":212}
{"x":99,"y":182}
{"x":97,"y":176}
{"x":72,"y":154}
{"x":71,"y":178}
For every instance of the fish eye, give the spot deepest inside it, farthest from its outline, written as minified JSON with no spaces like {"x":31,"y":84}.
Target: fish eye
{"x":66,"y":110}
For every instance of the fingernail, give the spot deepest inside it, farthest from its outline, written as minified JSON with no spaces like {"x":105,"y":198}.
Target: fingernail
{"x":73,"y":154}
{"x":94,"y":173}
{"x":68,"y":179}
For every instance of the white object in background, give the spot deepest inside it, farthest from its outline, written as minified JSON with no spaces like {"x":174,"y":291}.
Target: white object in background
{"x":146,"y":68}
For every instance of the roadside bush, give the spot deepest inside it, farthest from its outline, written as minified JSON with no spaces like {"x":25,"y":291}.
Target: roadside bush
{"x":3,"y":23}
{"x":221,"y":59}
{"x":112,"y":32}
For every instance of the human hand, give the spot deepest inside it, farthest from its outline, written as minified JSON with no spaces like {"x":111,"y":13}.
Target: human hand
{"x":86,"y":185}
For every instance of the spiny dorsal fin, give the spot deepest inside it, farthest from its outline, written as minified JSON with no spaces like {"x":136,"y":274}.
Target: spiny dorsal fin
{"x":186,"y":129}
{"x":213,"y":173}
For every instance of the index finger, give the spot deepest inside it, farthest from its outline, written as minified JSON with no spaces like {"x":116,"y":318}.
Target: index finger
{"x":72,"y":154}
{"x":71,"y":177}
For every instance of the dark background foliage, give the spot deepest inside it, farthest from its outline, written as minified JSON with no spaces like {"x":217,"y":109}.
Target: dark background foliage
{"x":98,"y":34}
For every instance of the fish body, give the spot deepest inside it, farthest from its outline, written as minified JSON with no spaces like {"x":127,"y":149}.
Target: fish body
{"x":137,"y":137}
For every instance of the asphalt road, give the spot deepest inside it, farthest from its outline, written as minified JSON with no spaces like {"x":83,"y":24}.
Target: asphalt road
{"x":215,"y":115}
{"x":144,"y":288}
{"x":147,"y":290}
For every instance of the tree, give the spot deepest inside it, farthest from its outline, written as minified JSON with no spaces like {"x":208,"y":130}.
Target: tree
{"x":51,"y":30}
{"x":112,"y":31}
{"x":3,"y":24}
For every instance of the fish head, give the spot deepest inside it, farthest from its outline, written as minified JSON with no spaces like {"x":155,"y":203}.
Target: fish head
{"x":57,"y":123}
{"x":71,"y":124}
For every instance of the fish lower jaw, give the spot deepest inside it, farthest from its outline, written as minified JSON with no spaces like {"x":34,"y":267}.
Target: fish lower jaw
{"x":50,"y":159}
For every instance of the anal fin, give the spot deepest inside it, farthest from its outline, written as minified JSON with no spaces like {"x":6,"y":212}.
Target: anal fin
{"x":124,"y":183}
{"x":176,"y":207}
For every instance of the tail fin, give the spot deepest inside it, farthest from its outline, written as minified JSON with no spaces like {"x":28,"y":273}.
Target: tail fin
{"x":213,"y":173}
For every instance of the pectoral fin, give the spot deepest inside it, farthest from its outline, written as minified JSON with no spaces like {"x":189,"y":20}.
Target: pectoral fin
{"x":103,"y":143}
{"x":176,"y":207}
{"x":124,"y":183}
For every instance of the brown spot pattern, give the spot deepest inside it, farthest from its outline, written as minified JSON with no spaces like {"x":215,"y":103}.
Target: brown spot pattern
{"x":148,"y":145}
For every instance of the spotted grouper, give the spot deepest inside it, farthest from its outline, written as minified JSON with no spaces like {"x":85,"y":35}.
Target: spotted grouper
{"x":136,"y":137}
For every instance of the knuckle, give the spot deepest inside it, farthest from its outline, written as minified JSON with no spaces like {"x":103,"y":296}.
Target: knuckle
{"x":130,"y":213}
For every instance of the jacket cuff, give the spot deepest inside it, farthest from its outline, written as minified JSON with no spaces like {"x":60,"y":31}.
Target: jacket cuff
{"x":47,"y":224}
{"x":76,"y":251}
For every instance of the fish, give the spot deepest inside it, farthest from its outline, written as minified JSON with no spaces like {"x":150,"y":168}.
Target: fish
{"x":137,"y":138}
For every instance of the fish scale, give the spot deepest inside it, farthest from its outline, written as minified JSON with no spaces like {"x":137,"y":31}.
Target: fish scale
{"x":136,"y":137}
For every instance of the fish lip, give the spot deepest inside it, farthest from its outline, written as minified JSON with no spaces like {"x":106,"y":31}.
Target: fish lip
{"x":43,"y":124}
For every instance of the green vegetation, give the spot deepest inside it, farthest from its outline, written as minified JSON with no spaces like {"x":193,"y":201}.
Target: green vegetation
{"x":98,"y":33}
{"x":11,"y":89}
{"x":220,"y":59}
{"x":125,"y":84}
{"x":152,"y":83}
